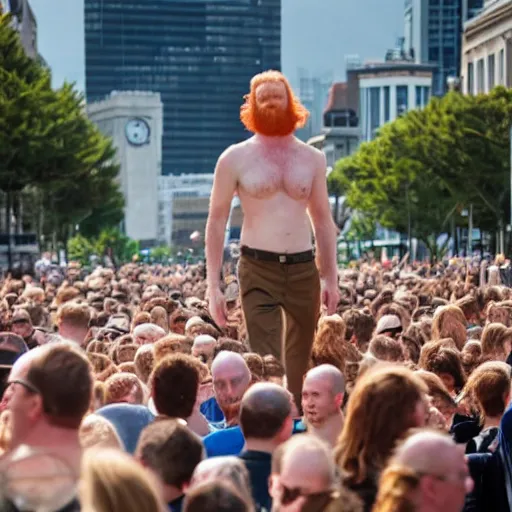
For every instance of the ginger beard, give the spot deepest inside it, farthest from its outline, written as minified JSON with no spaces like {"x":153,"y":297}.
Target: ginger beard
{"x":270,"y":118}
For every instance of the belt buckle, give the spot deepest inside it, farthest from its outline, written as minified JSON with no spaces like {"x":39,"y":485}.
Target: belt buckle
{"x":282,"y":258}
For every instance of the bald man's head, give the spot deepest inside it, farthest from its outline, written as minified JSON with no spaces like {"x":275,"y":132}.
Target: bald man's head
{"x":322,"y":394}
{"x":231,"y":378}
{"x":330,"y":374}
{"x":306,"y":463}
{"x":266,"y":412}
{"x":426,"y":451}
{"x":441,"y":466}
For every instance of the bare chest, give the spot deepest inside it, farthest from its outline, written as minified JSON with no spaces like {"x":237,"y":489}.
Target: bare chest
{"x":264,"y":173}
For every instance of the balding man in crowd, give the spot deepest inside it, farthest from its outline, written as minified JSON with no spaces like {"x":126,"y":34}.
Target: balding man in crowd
{"x":442,"y":468}
{"x":304,"y":478}
{"x":231,"y":379}
{"x":322,"y":396}
{"x":266,"y":422}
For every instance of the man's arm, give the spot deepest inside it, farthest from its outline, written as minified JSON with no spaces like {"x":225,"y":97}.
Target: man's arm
{"x":323,"y":224}
{"x":224,"y":186}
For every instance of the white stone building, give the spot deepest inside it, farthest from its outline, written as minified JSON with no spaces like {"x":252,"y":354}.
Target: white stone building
{"x":487,"y":48}
{"x":134,"y":120}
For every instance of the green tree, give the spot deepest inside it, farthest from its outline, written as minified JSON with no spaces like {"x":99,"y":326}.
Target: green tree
{"x":424,"y":168}
{"x":80,"y":249}
{"x":116,"y":245}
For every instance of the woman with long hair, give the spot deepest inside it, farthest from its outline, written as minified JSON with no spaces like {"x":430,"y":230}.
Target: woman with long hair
{"x":386,"y":402}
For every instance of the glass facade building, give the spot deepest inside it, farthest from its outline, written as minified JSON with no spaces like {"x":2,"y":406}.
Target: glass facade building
{"x":198,"y":54}
{"x":433,"y":32}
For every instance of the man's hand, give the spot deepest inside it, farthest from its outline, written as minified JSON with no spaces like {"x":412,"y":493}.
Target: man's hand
{"x":330,"y":294}
{"x":217,"y":306}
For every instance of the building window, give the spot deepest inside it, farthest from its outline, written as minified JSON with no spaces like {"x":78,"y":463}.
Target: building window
{"x":374,"y":110}
{"x":480,"y":76}
{"x":501,"y":68}
{"x":471,"y":79}
{"x":426,"y":95}
{"x":387,"y":104}
{"x":491,"y":71}
{"x":402,"y":99}
{"x":419,"y":99}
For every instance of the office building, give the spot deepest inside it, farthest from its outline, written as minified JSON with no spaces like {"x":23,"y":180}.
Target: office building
{"x":24,"y":21}
{"x":313,"y":92}
{"x":433,"y":34}
{"x":198,"y":54}
{"x":134,"y":121}
{"x":487,"y":48}
{"x":388,"y":89}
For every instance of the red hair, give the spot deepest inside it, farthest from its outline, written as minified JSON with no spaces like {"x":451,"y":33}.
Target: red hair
{"x":297,"y":114}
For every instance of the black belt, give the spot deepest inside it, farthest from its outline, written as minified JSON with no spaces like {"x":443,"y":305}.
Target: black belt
{"x":289,"y":259}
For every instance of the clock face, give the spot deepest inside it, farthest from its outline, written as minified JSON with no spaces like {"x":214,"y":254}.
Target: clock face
{"x":137,"y":132}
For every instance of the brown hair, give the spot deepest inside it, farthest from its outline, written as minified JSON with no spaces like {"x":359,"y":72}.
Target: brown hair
{"x":144,"y":361}
{"x":329,"y":345}
{"x":216,"y":496}
{"x":359,"y":323}
{"x":379,"y":412}
{"x":273,"y":367}
{"x":171,"y":344}
{"x":174,"y":385}
{"x":256,"y":365}
{"x":447,"y":361}
{"x":74,"y":314}
{"x":171,"y":450}
{"x":119,"y":385}
{"x":469,"y":306}
{"x":493,"y":340}
{"x":385,"y":348}
{"x":489,"y":387}
{"x":63,"y":376}
{"x":450,"y":322}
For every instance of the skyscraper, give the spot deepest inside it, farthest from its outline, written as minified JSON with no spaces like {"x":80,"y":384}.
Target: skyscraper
{"x":433,"y":32}
{"x":198,"y":54}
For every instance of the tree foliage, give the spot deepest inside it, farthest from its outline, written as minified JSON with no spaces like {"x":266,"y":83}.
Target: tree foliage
{"x":49,"y":149}
{"x":423,"y":169}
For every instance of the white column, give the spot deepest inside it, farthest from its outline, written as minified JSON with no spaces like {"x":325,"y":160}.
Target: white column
{"x":411,"y":97}
{"x":382,"y":112}
{"x":392,"y":101}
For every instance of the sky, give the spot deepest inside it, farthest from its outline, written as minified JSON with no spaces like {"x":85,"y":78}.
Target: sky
{"x":316,"y":35}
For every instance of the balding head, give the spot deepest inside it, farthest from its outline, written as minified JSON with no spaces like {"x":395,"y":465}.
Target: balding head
{"x":329,"y":374}
{"x":265,"y":413}
{"x":441,"y":466}
{"x":322,"y":395}
{"x":231,"y":378}
{"x":426,"y":451}
{"x":305,"y":462}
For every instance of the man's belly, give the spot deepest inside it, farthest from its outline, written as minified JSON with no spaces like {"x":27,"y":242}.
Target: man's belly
{"x":277,"y":233}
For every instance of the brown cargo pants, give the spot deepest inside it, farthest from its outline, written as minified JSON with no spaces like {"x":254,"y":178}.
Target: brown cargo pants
{"x":281,"y":306}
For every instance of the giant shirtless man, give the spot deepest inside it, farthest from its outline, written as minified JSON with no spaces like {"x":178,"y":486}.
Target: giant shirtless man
{"x":281,"y":183}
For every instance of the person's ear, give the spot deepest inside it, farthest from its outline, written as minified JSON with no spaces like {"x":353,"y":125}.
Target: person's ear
{"x":338,"y":400}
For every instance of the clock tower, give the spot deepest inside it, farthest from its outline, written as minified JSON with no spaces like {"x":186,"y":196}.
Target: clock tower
{"x":134,"y":120}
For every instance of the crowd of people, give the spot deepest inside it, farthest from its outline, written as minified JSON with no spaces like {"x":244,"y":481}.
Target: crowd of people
{"x":120,"y":393}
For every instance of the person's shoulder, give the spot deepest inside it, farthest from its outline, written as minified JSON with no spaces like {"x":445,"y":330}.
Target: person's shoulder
{"x":309,"y":150}
{"x":235,"y":150}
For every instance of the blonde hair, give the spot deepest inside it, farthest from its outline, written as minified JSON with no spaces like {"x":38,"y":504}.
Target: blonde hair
{"x":5,"y":432}
{"x":114,"y":482}
{"x":96,"y":431}
{"x":396,"y":490}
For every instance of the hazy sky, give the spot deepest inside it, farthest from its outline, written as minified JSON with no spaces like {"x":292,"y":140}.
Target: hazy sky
{"x":317,"y":34}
